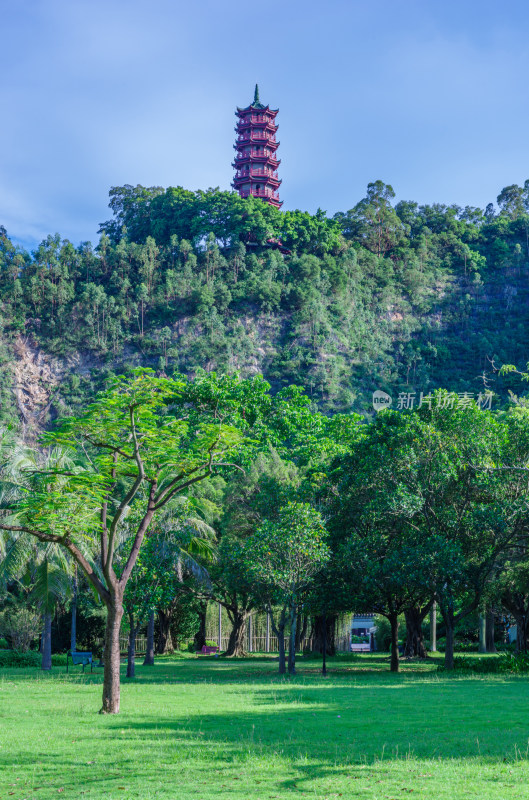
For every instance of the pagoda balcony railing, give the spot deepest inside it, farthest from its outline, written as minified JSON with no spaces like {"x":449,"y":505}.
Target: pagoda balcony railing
{"x":245,"y":130}
{"x":255,"y":138}
{"x":256,"y":154}
{"x":256,"y":118}
{"x":260,"y":193}
{"x":245,"y":123}
{"x":256,"y":172}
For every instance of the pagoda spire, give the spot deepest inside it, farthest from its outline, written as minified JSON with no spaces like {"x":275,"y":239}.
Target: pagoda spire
{"x":256,"y":146}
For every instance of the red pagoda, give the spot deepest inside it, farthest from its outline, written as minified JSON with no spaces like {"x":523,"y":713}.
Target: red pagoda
{"x":256,"y":146}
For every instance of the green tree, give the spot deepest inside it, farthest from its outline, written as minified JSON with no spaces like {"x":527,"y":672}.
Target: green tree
{"x":431,"y":523}
{"x":283,"y":557}
{"x":141,"y":443}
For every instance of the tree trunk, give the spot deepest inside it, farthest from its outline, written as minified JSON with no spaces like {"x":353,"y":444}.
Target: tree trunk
{"x":449,"y":642}
{"x":237,"y":634}
{"x":200,"y":635}
{"x":522,"y":624}
{"x":281,"y":647}
{"x":131,"y":649}
{"x":394,"y":622}
{"x":433,"y":627}
{"x":482,"y":633}
{"x":73,"y":631}
{"x":517,"y":604}
{"x":279,"y":631}
{"x":111,"y":677}
{"x":324,"y":647}
{"x":489,"y":635}
{"x":46,"y":642}
{"x":317,"y":638}
{"x":149,"y":652}
{"x":414,"y":638}
{"x":292,"y":641}
{"x":301,"y":631}
{"x":299,"y":628}
{"x":165,"y":642}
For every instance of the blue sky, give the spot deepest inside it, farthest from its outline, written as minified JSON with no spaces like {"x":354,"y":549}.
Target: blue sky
{"x":431,"y":97}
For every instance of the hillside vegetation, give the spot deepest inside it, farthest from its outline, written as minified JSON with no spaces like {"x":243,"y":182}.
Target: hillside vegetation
{"x":398,"y":297}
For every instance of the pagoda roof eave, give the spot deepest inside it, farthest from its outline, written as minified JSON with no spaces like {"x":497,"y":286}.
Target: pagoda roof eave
{"x":241,"y":126}
{"x":259,"y":107}
{"x":267,"y":123}
{"x":248,"y":157}
{"x":271,"y":145}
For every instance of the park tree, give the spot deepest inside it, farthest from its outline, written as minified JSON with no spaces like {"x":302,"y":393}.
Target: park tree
{"x":283,"y":557}
{"x":420,"y":481}
{"x":389,"y":571}
{"x":156,"y":583}
{"x":234,"y":589}
{"x":509,"y":582}
{"x":380,"y":557}
{"x":180,"y":543}
{"x":287,"y":436}
{"x":476,"y":505}
{"x":142,"y":442}
{"x":249,"y":498}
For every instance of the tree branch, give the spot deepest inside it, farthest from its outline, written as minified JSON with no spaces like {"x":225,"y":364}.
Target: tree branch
{"x":107,"y":567}
{"x":72,"y":549}
{"x":138,"y":539}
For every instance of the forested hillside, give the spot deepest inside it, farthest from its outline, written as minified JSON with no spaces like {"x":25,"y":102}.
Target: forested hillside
{"x":388,"y":296}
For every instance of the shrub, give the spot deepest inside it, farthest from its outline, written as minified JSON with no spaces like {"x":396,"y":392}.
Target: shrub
{"x":507,"y":662}
{"x":15,"y":658}
{"x":58,"y":660}
{"x":513,"y":662}
{"x":3,"y":644}
{"x":20,"y":626}
{"x":467,"y":647}
{"x":383,"y":634}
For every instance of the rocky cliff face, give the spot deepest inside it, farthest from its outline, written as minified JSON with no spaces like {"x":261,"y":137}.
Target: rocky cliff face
{"x":37,"y":382}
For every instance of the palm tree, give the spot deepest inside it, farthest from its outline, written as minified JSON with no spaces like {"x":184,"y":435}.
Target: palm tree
{"x":52,"y":576}
{"x":44,"y":565}
{"x":190,"y":538}
{"x":47,"y":570}
{"x":172,"y":549}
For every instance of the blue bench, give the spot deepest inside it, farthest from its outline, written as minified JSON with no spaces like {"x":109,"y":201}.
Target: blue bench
{"x":79,"y":657}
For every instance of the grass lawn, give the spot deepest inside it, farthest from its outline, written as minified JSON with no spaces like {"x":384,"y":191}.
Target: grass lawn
{"x":208,"y":728}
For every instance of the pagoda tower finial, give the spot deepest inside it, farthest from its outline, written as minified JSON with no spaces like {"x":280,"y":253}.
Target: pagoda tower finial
{"x":256,"y":146}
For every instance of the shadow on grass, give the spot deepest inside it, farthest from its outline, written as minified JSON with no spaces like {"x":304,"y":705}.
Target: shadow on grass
{"x":353,"y":725}
{"x":352,"y":732}
{"x":226,"y":670}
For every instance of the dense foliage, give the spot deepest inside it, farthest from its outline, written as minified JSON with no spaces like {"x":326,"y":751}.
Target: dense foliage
{"x":400,"y":297}
{"x":289,"y":509}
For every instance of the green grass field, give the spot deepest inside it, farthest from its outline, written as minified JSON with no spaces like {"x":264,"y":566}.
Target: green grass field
{"x":208,"y":728}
